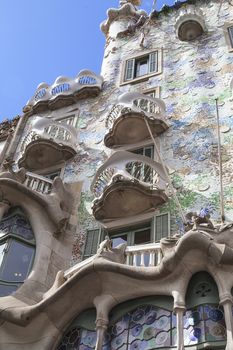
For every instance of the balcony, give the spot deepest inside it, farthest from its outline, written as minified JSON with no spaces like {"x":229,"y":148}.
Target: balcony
{"x":126,"y":120}
{"x":64,"y":92}
{"x":128,"y":185}
{"x":38,"y":183}
{"x":47,"y":144}
{"x":145,"y":255}
{"x":189,"y":23}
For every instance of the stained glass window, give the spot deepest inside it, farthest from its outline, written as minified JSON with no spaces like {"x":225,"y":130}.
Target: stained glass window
{"x":146,"y":328}
{"x":17,"y":249}
{"x":204,"y":324}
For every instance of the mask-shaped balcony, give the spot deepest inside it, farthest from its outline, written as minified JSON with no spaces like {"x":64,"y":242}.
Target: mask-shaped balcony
{"x":47,"y":144}
{"x":126,"y":120}
{"x":189,"y":23}
{"x":64,"y":92}
{"x":128,"y":185}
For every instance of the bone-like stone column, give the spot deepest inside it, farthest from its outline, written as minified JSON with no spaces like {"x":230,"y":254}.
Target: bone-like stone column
{"x":101,"y":327}
{"x":179,"y":312}
{"x":226,"y":302}
{"x":103,"y":303}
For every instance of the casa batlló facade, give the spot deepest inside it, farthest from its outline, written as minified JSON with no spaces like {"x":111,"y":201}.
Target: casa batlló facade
{"x":116,"y":192}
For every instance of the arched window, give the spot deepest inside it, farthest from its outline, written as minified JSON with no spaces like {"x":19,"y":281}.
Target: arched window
{"x":17,"y":249}
{"x":204,"y":320}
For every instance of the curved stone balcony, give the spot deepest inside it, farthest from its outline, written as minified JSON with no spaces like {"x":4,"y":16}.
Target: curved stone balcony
{"x":126,"y":120}
{"x":189,"y":23}
{"x":64,"y":92}
{"x":47,"y":144}
{"x":127,"y":185}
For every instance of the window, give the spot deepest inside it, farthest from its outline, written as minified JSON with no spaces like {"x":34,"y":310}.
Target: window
{"x":152,"y":231}
{"x":140,"y":170}
{"x":230,"y":33}
{"x":70,"y":120}
{"x":17,"y":249}
{"x":138,"y":68}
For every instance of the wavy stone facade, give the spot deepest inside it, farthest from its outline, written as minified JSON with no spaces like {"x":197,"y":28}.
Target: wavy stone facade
{"x":77,"y":166}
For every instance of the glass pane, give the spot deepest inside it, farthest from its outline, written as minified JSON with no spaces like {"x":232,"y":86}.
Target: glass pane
{"x":230,"y":31}
{"x":17,"y":262}
{"x":141,"y":67}
{"x":7,"y":289}
{"x":119,"y":240}
{"x":141,"y":237}
{"x":2,"y":251}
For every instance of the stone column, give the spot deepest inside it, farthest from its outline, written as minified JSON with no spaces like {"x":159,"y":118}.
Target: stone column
{"x":101,"y":327}
{"x":226,"y":302}
{"x":4,"y":206}
{"x":179,"y":312}
{"x":103,"y":303}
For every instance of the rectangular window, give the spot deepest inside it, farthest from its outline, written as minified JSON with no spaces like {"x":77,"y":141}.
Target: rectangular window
{"x":141,"y":67}
{"x":93,"y":238}
{"x":230,"y":33}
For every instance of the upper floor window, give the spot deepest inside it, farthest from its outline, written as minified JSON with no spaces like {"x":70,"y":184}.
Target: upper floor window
{"x":17,"y":249}
{"x":69,"y":120}
{"x":230,"y":33}
{"x":143,"y":233}
{"x":137,"y":68}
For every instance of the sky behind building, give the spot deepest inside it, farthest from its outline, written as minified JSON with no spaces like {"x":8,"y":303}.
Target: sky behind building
{"x":42,"y":40}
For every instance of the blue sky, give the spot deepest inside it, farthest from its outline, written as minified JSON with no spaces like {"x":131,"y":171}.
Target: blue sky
{"x":43,"y":39}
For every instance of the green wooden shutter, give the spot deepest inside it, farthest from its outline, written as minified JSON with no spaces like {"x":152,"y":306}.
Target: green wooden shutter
{"x":153,"y":62}
{"x":161,"y":226}
{"x":93,"y":238}
{"x":129,"y":69}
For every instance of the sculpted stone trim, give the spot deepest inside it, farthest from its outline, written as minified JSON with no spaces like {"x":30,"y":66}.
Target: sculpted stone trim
{"x":60,"y":152}
{"x":57,"y":203}
{"x":150,"y":199}
{"x":125,"y":11}
{"x":107,"y":277}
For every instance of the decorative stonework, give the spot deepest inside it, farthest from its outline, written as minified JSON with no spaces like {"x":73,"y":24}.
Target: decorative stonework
{"x":127,"y":14}
{"x":189,"y":23}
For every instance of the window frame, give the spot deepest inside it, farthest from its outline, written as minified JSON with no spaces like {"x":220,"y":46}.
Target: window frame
{"x":228,"y":38}
{"x":136,"y":58}
{"x":8,"y":240}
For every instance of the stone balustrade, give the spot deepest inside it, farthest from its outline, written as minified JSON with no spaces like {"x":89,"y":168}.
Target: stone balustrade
{"x":145,"y":255}
{"x":38,"y":183}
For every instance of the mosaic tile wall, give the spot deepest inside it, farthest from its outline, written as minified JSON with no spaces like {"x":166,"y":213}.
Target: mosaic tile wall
{"x":194,"y":74}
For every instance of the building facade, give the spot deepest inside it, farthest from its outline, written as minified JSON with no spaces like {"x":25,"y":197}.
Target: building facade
{"x":116,"y":192}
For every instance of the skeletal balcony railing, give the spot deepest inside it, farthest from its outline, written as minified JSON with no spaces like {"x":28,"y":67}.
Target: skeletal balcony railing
{"x":153,"y":108}
{"x":47,"y":128}
{"x":143,"y":255}
{"x":38,"y":183}
{"x":129,"y":166}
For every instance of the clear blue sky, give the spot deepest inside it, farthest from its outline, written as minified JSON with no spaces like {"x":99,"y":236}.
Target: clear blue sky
{"x":43,"y":39}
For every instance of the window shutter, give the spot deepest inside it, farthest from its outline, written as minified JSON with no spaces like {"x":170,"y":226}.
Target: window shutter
{"x":129,"y":69}
{"x":161,"y":226}
{"x":153,"y":62}
{"x":92,"y":241}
